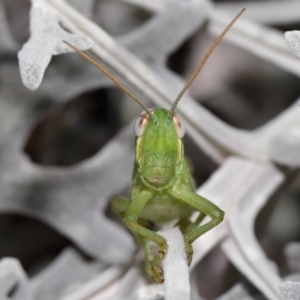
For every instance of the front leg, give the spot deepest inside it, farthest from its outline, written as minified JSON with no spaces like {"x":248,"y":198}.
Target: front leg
{"x":130,"y":220}
{"x":119,"y":206}
{"x":180,"y":191}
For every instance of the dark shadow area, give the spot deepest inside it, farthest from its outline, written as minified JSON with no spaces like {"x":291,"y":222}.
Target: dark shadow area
{"x":31,"y":241}
{"x":74,"y":131}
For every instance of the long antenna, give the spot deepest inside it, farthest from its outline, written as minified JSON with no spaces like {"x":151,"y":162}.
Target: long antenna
{"x":111,"y":77}
{"x":202,"y":63}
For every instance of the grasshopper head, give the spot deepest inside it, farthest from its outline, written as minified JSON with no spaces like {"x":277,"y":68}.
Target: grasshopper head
{"x":159,"y":149}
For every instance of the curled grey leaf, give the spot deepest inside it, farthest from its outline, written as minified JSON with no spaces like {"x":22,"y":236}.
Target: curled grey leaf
{"x":290,"y":290}
{"x":76,"y":219}
{"x":69,"y":271}
{"x":295,"y":277}
{"x":154,"y":5}
{"x":238,"y":292}
{"x":98,"y":283}
{"x":46,"y":39}
{"x":131,"y":285}
{"x":257,"y":183}
{"x":12,"y":277}
{"x":85,"y":7}
{"x":284,"y":148}
{"x":293,"y":40}
{"x":283,"y":12}
{"x":292,"y":253}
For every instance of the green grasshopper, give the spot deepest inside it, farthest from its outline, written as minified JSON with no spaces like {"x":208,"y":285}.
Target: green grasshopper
{"x":162,"y":187}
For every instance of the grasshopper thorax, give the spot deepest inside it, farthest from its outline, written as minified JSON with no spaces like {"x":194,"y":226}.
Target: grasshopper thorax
{"x":159,"y":150}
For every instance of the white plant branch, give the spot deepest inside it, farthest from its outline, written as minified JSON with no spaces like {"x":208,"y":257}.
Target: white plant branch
{"x":241,"y":188}
{"x":97,"y":284}
{"x":293,"y":40}
{"x":242,"y":247}
{"x":12,"y":276}
{"x":262,"y":41}
{"x":266,"y":12}
{"x":176,"y":270}
{"x":46,"y":39}
{"x":290,"y":290}
{"x":154,"y":5}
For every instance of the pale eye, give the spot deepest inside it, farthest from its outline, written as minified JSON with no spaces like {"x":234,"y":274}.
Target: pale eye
{"x":141,"y":123}
{"x":179,"y":125}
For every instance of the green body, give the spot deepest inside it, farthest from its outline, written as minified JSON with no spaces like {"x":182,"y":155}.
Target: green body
{"x":159,"y":163}
{"x":162,"y":190}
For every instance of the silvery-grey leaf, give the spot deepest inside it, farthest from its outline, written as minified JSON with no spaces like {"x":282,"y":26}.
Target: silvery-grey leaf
{"x":292,"y":254}
{"x":67,"y":273}
{"x":98,"y":284}
{"x":247,"y":34}
{"x":46,"y":39}
{"x":295,"y":277}
{"x":154,"y":5}
{"x":284,"y":148}
{"x":252,"y":184}
{"x":231,"y":176}
{"x":165,"y":32}
{"x":18,"y":114}
{"x":293,"y":40}
{"x":282,"y":12}
{"x":242,"y":247}
{"x":251,"y":37}
{"x":266,"y":12}
{"x":237,"y":292}
{"x":72,"y":203}
{"x":85,"y":7}
{"x":22,"y":179}
{"x":131,"y":285}
{"x":290,"y":290}
{"x":13,"y":281}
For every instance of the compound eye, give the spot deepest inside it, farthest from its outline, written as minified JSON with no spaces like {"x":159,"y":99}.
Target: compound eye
{"x":140,"y":124}
{"x":179,"y":125}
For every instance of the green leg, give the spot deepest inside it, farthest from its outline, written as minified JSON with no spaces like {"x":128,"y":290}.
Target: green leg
{"x":148,"y":248}
{"x":120,"y":205}
{"x":149,"y":257}
{"x":188,"y":247}
{"x":205,"y":207}
{"x":196,"y":224}
{"x":130,"y":220}
{"x":184,"y":224}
